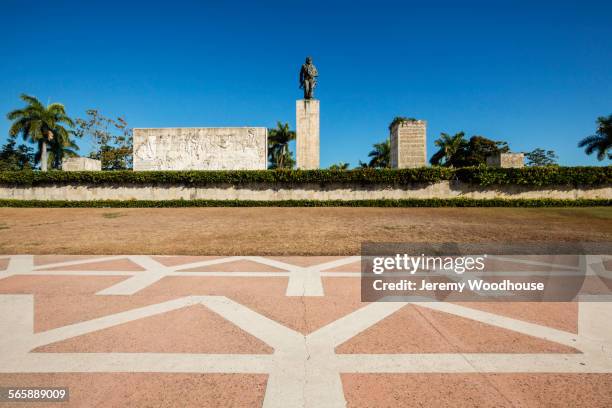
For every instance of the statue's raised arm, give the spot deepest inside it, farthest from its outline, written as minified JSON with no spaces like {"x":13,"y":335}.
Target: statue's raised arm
{"x":308,"y":78}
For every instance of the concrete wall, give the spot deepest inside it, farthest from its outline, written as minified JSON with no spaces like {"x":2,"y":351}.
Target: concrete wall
{"x":263,"y":191}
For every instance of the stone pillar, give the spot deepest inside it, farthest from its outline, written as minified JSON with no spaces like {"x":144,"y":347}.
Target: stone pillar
{"x":408,"y":144}
{"x":307,"y":133}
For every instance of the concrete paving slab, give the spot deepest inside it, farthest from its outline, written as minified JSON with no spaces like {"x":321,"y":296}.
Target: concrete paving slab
{"x":292,"y":334}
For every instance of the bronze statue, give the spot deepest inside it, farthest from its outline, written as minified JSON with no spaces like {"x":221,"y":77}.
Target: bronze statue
{"x":308,"y":78}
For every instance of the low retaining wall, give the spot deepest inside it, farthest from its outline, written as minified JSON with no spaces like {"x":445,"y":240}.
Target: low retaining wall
{"x":278,"y":192}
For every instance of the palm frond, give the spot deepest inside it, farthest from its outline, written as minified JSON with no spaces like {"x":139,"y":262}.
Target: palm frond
{"x":17,"y":113}
{"x":32,"y":101}
{"x":601,"y":141}
{"x":589,"y":140}
{"x":437,"y":157}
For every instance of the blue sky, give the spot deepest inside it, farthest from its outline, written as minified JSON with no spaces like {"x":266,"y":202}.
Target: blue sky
{"x":536,"y":74}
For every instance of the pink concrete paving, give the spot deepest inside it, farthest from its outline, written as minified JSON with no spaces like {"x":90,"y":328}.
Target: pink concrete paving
{"x":559,"y":315}
{"x":51,"y":259}
{"x":351,"y":267}
{"x":477,"y":390}
{"x":177,"y":286}
{"x":236,"y":266}
{"x":170,"y":260}
{"x":565,"y":260}
{"x":406,"y":330}
{"x":51,"y":285}
{"x":148,"y":389}
{"x":63,"y":300}
{"x":194,"y":329}
{"x":152,"y":335}
{"x":267,"y":296}
{"x":304,"y":261}
{"x":114,"y":265}
{"x":498,"y":265}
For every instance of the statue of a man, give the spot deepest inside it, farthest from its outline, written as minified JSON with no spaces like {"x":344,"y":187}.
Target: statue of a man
{"x":308,"y":78}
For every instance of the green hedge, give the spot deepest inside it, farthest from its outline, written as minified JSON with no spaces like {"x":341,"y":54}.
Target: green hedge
{"x":451,"y":202}
{"x":483,"y":176}
{"x":537,"y":176}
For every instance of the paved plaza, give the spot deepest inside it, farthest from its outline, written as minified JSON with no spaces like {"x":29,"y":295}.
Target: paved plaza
{"x":286,"y":332}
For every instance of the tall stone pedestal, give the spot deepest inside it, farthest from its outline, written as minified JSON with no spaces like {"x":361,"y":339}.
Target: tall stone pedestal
{"x":408,"y":144}
{"x":307,"y":133}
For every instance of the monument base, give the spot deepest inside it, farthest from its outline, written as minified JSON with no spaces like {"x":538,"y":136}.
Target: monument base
{"x":307,"y":133}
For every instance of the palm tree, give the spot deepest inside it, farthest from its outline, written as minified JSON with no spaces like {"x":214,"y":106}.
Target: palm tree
{"x":339,"y":166}
{"x":41,"y":125}
{"x":381,"y":154}
{"x":601,"y":141}
{"x":279,"y":155}
{"x":60,"y":148}
{"x":449,"y":146}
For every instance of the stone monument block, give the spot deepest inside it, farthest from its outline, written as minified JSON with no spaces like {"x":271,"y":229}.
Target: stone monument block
{"x":81,"y":164}
{"x":408,"y":144}
{"x":307,"y":133}
{"x":506,"y":160}
{"x":236,"y":148}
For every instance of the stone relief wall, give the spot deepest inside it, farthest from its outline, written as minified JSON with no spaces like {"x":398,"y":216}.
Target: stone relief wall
{"x":244,"y":148}
{"x":81,"y":164}
{"x":506,"y":160}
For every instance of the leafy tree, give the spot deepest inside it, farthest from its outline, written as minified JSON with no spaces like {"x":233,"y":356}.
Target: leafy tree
{"x":476,"y":151}
{"x":455,"y":151}
{"x":449,"y":148}
{"x":61,"y":147}
{"x":43,"y":126}
{"x":339,"y":166}
{"x":279,"y":155}
{"x":380,"y":156}
{"x":111,"y":138}
{"x":400,"y":119}
{"x":601,"y":141}
{"x":362,"y":165}
{"x":541,"y":157}
{"x":13,"y":157}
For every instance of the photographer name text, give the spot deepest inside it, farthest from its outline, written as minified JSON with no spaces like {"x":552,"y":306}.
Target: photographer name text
{"x":471,"y":284}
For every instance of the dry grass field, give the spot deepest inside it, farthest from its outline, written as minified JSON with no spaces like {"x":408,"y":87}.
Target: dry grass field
{"x":283,"y":231}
